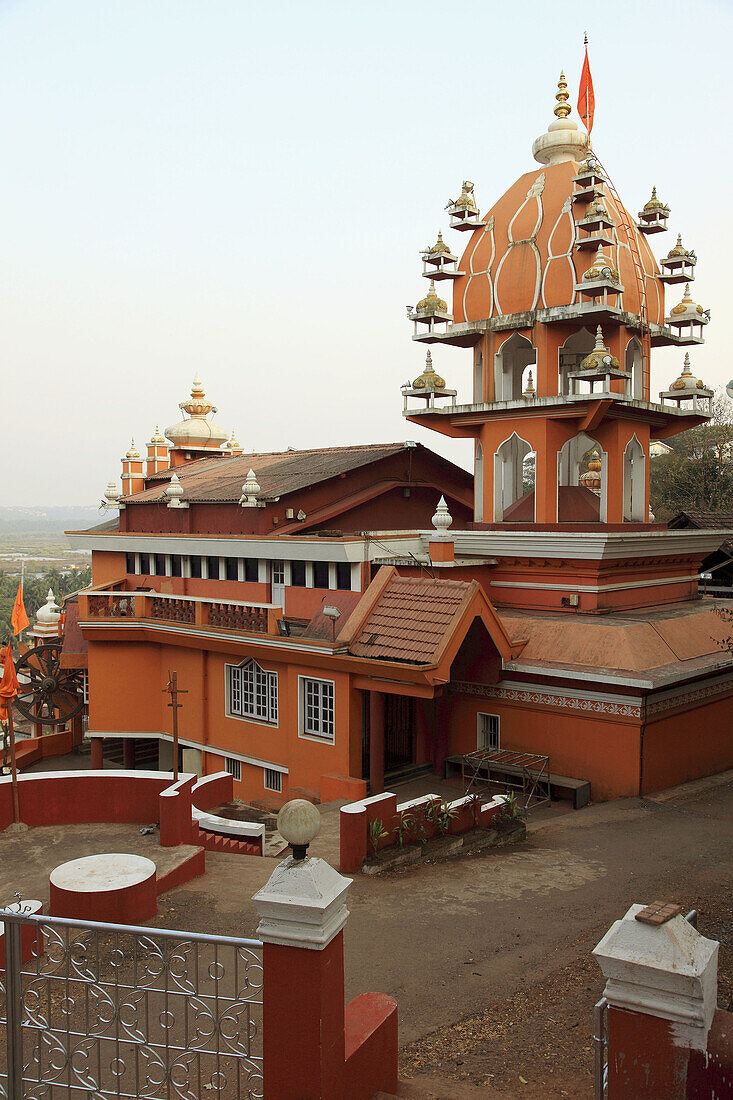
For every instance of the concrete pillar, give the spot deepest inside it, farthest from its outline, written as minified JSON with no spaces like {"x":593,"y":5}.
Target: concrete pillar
{"x":128,"y":753}
{"x":376,"y":742}
{"x":662,"y":993}
{"x":97,"y":759}
{"x":302,"y":913}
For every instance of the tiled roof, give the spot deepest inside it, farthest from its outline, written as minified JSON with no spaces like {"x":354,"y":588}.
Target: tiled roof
{"x":321,"y":626}
{"x":278,"y":473}
{"x":715,"y":521}
{"x":410,"y":619}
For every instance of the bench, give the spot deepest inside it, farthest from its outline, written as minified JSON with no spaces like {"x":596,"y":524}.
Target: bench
{"x":561,"y":786}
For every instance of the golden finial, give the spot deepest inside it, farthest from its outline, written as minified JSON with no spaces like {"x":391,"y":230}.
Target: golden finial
{"x":563,"y":107}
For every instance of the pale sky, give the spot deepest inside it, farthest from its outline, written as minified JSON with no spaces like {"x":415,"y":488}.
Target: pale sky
{"x":243,"y":189}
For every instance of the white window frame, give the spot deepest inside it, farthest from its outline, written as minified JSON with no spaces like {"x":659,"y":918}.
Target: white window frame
{"x":85,"y":685}
{"x":251,"y":702}
{"x":233,"y":767}
{"x":482,"y":743}
{"x":273,"y":780}
{"x":306,"y":727}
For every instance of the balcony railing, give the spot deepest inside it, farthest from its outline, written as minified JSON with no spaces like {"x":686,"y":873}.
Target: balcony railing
{"x":249,"y":618}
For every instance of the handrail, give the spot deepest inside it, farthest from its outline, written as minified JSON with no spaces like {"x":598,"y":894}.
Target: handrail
{"x":17,"y":916}
{"x":152,"y":594}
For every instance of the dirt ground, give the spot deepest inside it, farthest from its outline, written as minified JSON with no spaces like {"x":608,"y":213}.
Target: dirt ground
{"x":489,"y":956}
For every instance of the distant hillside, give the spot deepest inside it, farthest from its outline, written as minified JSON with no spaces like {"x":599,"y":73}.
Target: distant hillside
{"x":39,"y":520}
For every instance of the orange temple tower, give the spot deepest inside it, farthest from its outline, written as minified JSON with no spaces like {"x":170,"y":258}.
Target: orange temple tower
{"x":561,"y":300}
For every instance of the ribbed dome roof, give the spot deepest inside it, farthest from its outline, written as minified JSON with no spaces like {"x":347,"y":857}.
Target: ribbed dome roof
{"x":523,"y":257}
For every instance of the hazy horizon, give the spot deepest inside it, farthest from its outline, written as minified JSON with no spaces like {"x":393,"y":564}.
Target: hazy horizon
{"x":243,"y":191}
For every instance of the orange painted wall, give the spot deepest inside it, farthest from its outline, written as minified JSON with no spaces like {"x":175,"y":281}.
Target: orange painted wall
{"x":688,"y":745}
{"x":604,"y":751}
{"x":107,"y":566}
{"x":127,"y":681}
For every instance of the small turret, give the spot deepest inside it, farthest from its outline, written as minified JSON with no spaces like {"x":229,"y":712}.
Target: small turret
{"x":653,"y":218}
{"x":133,"y":478}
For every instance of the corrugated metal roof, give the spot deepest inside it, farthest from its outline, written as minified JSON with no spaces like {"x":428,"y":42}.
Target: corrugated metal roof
{"x":278,"y":473}
{"x":410,"y":619}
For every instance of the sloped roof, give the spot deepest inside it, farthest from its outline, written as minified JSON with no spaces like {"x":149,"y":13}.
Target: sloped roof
{"x":220,"y":480}
{"x":411,"y":619}
{"x":321,"y":626}
{"x":713,"y":521}
{"x":642,"y":642}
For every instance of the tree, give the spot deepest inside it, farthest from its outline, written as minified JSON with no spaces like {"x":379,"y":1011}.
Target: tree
{"x":697,"y":476}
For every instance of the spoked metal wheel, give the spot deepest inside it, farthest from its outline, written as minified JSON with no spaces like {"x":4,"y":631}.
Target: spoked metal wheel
{"x":49,"y":694}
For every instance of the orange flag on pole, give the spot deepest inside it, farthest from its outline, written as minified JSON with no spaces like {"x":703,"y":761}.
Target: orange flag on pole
{"x":8,"y":684}
{"x":586,"y":98}
{"x":18,"y":617}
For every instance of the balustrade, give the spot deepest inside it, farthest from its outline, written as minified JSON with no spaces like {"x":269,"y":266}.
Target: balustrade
{"x":111,"y":605}
{"x":177,"y":611}
{"x":232,"y":616}
{"x":238,"y":617}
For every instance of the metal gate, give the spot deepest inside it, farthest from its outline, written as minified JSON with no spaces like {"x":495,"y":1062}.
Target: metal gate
{"x":113,"y":1011}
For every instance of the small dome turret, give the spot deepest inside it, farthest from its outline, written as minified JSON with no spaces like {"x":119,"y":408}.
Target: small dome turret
{"x":653,"y":217}
{"x":157,"y":436}
{"x":678,"y":249}
{"x":133,"y":452}
{"x":428,"y":380}
{"x":687,"y":310}
{"x":600,"y":356}
{"x":687,"y":380}
{"x":431,"y":304}
{"x":678,"y":266}
{"x":688,"y":389}
{"x":197,"y":432}
{"x":463,"y":211}
{"x":601,"y":268}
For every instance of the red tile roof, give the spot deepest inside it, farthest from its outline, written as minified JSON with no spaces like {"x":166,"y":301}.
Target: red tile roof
{"x":220,"y":479}
{"x":410,"y":619}
{"x":321,"y":626}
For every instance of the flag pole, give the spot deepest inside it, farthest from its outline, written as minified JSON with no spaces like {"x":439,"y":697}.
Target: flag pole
{"x":13,"y":765}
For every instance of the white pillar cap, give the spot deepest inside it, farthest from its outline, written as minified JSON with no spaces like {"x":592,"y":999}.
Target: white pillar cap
{"x":667,"y":970}
{"x":302,"y":904}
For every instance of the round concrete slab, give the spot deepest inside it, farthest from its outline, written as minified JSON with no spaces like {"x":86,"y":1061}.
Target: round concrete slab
{"x":114,"y":887}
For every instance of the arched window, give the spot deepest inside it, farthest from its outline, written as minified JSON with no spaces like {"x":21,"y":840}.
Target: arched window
{"x":569,"y":461}
{"x":252,"y":692}
{"x":478,"y":484}
{"x":509,"y":463}
{"x":514,"y":355}
{"x":634,"y":481}
{"x":478,"y":376}
{"x":570,"y":356}
{"x":633,"y":364}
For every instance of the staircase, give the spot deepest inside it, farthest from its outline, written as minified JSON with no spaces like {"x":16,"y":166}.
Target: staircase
{"x":215,"y":842}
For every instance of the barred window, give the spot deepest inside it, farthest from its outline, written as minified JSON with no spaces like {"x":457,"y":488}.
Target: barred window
{"x":252,"y":692}
{"x":273,"y":780}
{"x":317,"y":708}
{"x":234,"y":767}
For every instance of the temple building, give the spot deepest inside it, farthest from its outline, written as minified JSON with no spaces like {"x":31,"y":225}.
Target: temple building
{"x":346,"y":615}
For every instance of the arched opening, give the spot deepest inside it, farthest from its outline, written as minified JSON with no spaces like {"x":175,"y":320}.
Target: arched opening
{"x":509,"y":487}
{"x":634,"y":481}
{"x":478,"y":484}
{"x":478,"y":376}
{"x":570,"y":356}
{"x":581,"y":497}
{"x":633,"y":364}
{"x":510,"y":367}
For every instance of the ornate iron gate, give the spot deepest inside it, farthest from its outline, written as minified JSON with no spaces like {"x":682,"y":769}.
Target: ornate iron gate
{"x":113,"y":1011}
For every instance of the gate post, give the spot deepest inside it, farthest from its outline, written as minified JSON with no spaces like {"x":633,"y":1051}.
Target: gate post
{"x":661,"y":990}
{"x":14,"y":1008}
{"x":302,"y":914}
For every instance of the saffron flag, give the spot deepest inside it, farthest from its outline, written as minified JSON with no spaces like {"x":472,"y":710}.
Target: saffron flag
{"x":586,"y":99}
{"x":8,"y":684}
{"x":18,"y":617}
